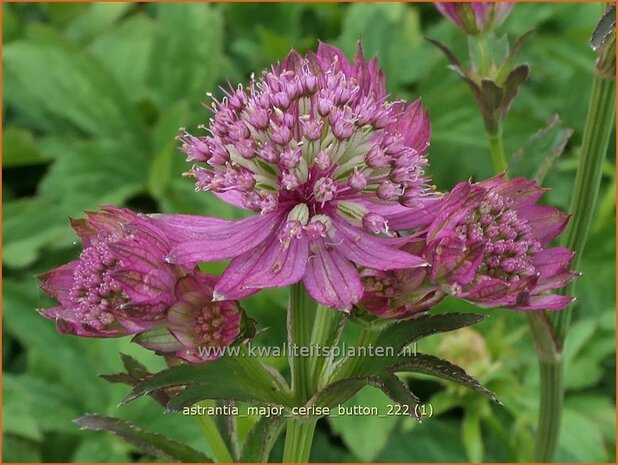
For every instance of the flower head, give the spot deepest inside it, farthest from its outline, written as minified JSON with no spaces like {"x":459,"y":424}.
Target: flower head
{"x":196,"y":329}
{"x":488,"y":242}
{"x":476,"y":17}
{"x":316,"y":148}
{"x":120,"y":284}
{"x":399,"y":294}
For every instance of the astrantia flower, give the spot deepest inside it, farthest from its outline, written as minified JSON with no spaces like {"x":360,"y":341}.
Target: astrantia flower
{"x":196,"y":328}
{"x":314,"y":147}
{"x":476,"y":17}
{"x":398,"y":294}
{"x":488,"y":245}
{"x":120,"y":284}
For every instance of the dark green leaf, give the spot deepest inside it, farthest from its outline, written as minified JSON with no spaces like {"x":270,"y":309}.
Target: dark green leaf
{"x":434,"y":366}
{"x":224,"y":378}
{"x":152,"y":443}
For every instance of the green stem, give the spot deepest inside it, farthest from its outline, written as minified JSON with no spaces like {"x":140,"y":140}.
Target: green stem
{"x":301,"y":312}
{"x":299,"y":434}
{"x":550,"y":410}
{"x":325,"y":330}
{"x":298,"y":439}
{"x":599,"y":124}
{"x":480,"y":43}
{"x":214,"y":438}
{"x":496,"y":149}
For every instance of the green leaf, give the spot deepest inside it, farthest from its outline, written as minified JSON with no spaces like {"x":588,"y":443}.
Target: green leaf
{"x":57,"y":89}
{"x":261,"y":439}
{"x":403,"y":333}
{"x":168,"y":163}
{"x":580,"y":438}
{"x":125,"y":51}
{"x":188,"y":48}
{"x":19,"y":148}
{"x":434,"y":366}
{"x":152,"y":443}
{"x":98,"y":18}
{"x":224,"y":378}
{"x":399,"y":392}
{"x":27,"y":399}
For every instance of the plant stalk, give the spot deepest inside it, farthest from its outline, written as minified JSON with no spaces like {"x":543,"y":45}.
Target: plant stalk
{"x":496,"y":149}
{"x":214,"y":438}
{"x":324,"y":334}
{"x":301,"y":313}
{"x":599,"y":124}
{"x":298,"y":439}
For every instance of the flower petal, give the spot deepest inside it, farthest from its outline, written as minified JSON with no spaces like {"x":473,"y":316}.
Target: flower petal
{"x":58,"y":282}
{"x":546,"y":222}
{"x":549,"y":262}
{"x":207,"y":240}
{"x":370,"y":251}
{"x":268,"y":265}
{"x":546,"y":302}
{"x":331,"y":279}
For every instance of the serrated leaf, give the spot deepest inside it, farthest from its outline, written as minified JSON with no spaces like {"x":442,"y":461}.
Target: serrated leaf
{"x":261,"y":439}
{"x":400,"y":393}
{"x":224,"y":378}
{"x":402,"y":333}
{"x":152,"y":443}
{"x":434,"y":366}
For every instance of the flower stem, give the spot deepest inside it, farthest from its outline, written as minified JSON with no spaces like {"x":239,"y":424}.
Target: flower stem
{"x":298,"y":439}
{"x":599,"y":124}
{"x":214,"y":438}
{"x":496,"y":149}
{"x":301,"y":312}
{"x":324,"y":334}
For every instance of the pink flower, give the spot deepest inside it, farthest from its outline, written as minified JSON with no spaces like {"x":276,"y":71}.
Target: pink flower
{"x":314,"y":146}
{"x":120,"y":284}
{"x":196,"y":328}
{"x":476,"y":17}
{"x":399,"y":294}
{"x":488,"y":244}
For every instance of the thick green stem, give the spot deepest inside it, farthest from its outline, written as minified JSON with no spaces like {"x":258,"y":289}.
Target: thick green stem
{"x":483,"y":62}
{"x":301,"y":312}
{"x":599,"y":124}
{"x":324,"y":334}
{"x":298,"y":439}
{"x":214,"y":438}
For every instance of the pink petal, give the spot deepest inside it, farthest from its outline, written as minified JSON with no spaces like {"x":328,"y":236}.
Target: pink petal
{"x":66,"y":323}
{"x":546,"y":222}
{"x":370,"y":251}
{"x":211,"y":241}
{"x":549,"y":262}
{"x":58,"y":282}
{"x":414,"y":217}
{"x":331,"y":279}
{"x":268,"y":265}
{"x":546,"y":302}
{"x":521,"y":191}
{"x":488,"y":292}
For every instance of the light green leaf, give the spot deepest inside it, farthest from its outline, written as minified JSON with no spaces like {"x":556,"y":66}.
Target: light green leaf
{"x":99,"y":17}
{"x":19,"y":147}
{"x":57,"y":89}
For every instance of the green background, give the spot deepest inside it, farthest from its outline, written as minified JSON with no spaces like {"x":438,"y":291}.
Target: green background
{"x":94,"y":95}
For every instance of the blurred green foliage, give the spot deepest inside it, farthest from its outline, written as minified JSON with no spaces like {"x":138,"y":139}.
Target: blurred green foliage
{"x":94,"y":95}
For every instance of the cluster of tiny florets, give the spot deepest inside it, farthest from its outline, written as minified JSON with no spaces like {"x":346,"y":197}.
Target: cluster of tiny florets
{"x":309,"y":135}
{"x":95,"y":292}
{"x":509,"y":244}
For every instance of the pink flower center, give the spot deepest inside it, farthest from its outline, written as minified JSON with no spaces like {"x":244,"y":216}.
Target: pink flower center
{"x":509,"y":245}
